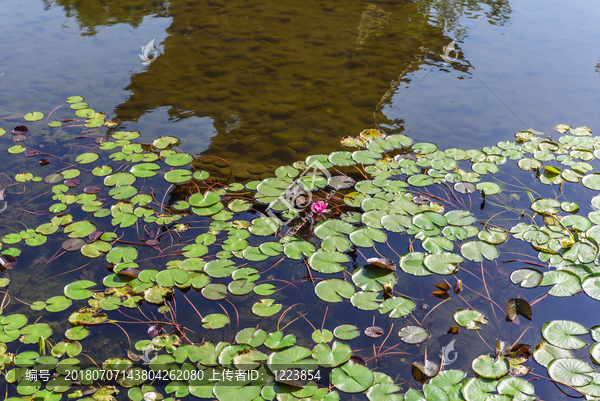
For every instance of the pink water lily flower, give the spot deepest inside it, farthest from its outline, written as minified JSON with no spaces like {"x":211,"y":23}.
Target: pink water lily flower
{"x":319,"y":207}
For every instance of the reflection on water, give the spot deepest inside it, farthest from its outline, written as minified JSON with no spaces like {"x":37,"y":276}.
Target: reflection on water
{"x":279,"y":81}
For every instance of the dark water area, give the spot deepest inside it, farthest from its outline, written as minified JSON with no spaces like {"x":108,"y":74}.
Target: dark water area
{"x":264,"y":84}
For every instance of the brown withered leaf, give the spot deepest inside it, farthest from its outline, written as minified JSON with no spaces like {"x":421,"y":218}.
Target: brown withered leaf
{"x":155,"y":330}
{"x":423,"y":372}
{"x":129,"y":272}
{"x":502,"y":348}
{"x":133,"y":356}
{"x":516,"y":307}
{"x":443,"y":291}
{"x":8,"y":262}
{"x":383,"y":262}
{"x":374,"y":331}
{"x":523,"y":350}
{"x":453,"y":330}
{"x":519,"y":371}
{"x":358,"y":359}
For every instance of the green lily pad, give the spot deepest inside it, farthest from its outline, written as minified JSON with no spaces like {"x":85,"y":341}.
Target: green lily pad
{"x":465,"y":187}
{"x":333,"y":289}
{"x":429,"y":220}
{"x":322,"y":336}
{"x":469,"y":318}
{"x":437,"y":244}
{"x":264,"y":290}
{"x":120,"y":254}
{"x":527,"y":277}
{"x":352,"y":378}
{"x":570,"y":371}
{"x":80,"y":229}
{"x":342,"y":158}
{"x":34,"y":116}
{"x":544,"y":353}
{"x":264,"y":226}
{"x":561,"y":333}
{"x":33,"y":333}
{"x":214,"y":291}
{"x":396,"y":223}
{"x":413,"y":334}
{"x":12,"y":323}
{"x":77,"y":333}
{"x":443,"y":263}
{"x":372,"y":277}
{"x":327,"y":357}
{"x":459,"y":218}
{"x":564,"y":282}
{"x":331,"y":227}
{"x":397,"y":306}
{"x":266,"y":307}
{"x":172,"y":277}
{"x":328,"y":261}
{"x":336,"y":242}
{"x":164,"y":142}
{"x":424,"y":148}
{"x":296,"y":249}
{"x":479,"y":389}
{"x":412,"y":263}
{"x":215,"y":321}
{"x":102,"y":171}
{"x":346,"y":332}
{"x":86,"y":158}
{"x":120,"y":179}
{"x":420,"y":180}
{"x":494,"y":236}
{"x":489,"y":188}
{"x":74,"y":99}
{"x":79,"y":289}
{"x":591,"y":286}
{"x":292,"y":357}
{"x":178,"y":176}
{"x":592,"y":181}
{"x":276,"y":340}
{"x":95,"y":249}
{"x":384,"y":392}
{"x":240,"y":391}
{"x":366,"y":156}
{"x":251,"y":336}
{"x":366,"y":300}
{"x":365,"y":237}
{"x":489,"y":367}
{"x":220,"y":268}
{"x":123,"y":192}
{"x":528,"y":164}
{"x":204,"y":200}
{"x":595,"y":352}
{"x":239,"y":205}
{"x":477,"y":250}
{"x":144,"y":170}
{"x":58,"y":303}
{"x":179,"y":159}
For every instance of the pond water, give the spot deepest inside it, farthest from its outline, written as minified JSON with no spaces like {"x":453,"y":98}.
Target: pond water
{"x":251,"y":86}
{"x":265,"y":84}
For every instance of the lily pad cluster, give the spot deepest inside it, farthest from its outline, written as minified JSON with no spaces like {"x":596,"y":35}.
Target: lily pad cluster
{"x":383,"y":187}
{"x":555,"y":352}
